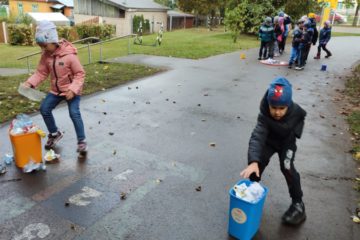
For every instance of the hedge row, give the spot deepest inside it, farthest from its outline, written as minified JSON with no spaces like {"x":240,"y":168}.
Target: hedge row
{"x":21,"y":34}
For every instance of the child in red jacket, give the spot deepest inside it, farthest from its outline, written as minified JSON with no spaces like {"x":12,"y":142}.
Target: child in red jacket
{"x":59,"y":60}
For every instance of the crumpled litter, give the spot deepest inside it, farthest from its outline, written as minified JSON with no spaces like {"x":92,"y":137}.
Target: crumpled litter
{"x":23,"y":124}
{"x":8,"y":158}
{"x":252,"y":193}
{"x":32,"y":166}
{"x":272,"y":61}
{"x":2,"y":169}
{"x":51,"y":155}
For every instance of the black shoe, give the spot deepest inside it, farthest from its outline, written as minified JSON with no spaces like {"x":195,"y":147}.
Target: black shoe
{"x":295,"y":214}
{"x":329,"y":55}
{"x":259,"y":58}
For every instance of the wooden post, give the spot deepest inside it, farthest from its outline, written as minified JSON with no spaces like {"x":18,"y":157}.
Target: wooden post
{"x":4,"y":32}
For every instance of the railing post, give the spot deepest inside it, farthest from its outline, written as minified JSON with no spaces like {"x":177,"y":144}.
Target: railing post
{"x":28,"y":64}
{"x":101,"y":52}
{"x":129,"y":44}
{"x":89,"y":53}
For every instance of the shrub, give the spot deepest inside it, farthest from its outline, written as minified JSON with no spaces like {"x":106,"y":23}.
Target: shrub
{"x":20,"y":34}
{"x":103,"y":32}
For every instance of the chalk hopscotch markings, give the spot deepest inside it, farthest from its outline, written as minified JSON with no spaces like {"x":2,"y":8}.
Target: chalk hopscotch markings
{"x":87,"y":192}
{"x":35,"y":230}
{"x":122,"y":176}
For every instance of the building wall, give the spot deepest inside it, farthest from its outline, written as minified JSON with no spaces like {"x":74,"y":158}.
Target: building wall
{"x":158,"y":17}
{"x":95,"y":8}
{"x":27,"y":6}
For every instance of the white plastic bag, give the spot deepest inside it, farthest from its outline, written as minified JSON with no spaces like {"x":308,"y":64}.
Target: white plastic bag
{"x":31,"y":93}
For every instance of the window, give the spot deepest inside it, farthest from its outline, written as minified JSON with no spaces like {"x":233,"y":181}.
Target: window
{"x":34,"y":8}
{"x":20,"y":9}
{"x":122,"y":13}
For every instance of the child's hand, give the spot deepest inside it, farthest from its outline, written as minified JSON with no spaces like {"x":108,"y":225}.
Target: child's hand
{"x":26,"y":84}
{"x":69,"y":95}
{"x":252,"y":168}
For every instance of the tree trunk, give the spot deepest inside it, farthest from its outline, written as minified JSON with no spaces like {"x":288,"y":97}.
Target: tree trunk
{"x":356,"y":15}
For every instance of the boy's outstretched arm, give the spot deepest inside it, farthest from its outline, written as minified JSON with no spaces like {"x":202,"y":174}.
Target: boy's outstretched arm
{"x":256,"y":145}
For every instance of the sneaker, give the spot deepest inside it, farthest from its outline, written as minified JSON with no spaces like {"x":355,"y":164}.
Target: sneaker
{"x":82,"y":147}
{"x":299,"y":68}
{"x":53,"y":139}
{"x":295,"y":214}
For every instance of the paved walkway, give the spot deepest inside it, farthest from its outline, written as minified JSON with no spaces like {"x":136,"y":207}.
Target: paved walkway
{"x":12,"y":71}
{"x":158,"y":153}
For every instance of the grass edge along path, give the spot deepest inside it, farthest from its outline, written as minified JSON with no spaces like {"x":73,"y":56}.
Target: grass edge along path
{"x":99,"y":77}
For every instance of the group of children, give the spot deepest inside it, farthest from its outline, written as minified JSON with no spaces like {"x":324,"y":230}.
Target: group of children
{"x":273,"y":34}
{"x":274,"y":31}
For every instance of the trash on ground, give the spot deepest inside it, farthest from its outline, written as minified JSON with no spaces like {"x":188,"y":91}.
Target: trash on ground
{"x":51,"y":155}
{"x":32,"y":166}
{"x":8,"y":158}
{"x":355,"y":219}
{"x":252,"y":193}
{"x":2,"y":169}
{"x":212,"y":144}
{"x":30,"y":93}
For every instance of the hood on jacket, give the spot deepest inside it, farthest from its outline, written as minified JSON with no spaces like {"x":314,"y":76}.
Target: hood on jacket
{"x":65,"y":48}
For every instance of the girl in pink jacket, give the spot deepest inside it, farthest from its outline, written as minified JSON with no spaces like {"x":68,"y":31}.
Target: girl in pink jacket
{"x":59,"y":60}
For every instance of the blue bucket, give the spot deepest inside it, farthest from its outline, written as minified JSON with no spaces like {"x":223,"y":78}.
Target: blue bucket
{"x":244,"y":217}
{"x":323,"y":67}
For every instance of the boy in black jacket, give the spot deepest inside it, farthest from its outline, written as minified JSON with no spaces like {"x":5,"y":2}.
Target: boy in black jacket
{"x":279,"y":123}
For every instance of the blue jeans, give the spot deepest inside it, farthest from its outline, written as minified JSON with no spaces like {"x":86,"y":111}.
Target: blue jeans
{"x":294,"y":55}
{"x":50,"y":102}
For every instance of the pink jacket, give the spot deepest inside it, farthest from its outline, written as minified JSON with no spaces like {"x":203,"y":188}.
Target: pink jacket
{"x":64,"y":67}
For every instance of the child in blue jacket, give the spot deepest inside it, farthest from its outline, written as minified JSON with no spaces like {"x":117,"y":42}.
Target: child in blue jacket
{"x":325,"y":35}
{"x":267,"y":38}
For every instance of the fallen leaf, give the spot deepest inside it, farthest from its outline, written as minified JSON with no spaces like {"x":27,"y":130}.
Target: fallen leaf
{"x":134,"y":102}
{"x":109,"y":169}
{"x":322,"y":116}
{"x":104,"y":113}
{"x":298,"y":88}
{"x":167,"y":99}
{"x":114,"y":152}
{"x":123,"y":196}
{"x":212,"y":144}
{"x":105,"y":67}
{"x":147,"y":102}
{"x":199,"y":105}
{"x":174,"y":102}
{"x":72,"y":226}
{"x":158,"y":180}
{"x":357,"y":156}
{"x":111,"y":133}
{"x":137,"y":87}
{"x":67,"y":204}
{"x":103,"y":100}
{"x":206,"y":94}
{"x":333,"y":125}
{"x":203,"y":120}
{"x":198,"y":189}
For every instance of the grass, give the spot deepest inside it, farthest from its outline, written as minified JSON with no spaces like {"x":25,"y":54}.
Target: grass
{"x":190,"y":43}
{"x":98,"y":77}
{"x":353,"y":93}
{"x":340,"y":34}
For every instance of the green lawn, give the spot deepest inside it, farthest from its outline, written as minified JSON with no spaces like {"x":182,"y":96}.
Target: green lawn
{"x":189,"y":43}
{"x":98,"y":77}
{"x":340,"y":34}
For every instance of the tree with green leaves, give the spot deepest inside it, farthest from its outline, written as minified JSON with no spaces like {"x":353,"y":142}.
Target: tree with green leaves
{"x":350,"y":3}
{"x":246,"y":16}
{"x":298,"y":8}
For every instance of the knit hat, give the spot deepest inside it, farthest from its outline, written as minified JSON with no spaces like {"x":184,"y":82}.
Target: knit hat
{"x":268,"y":20}
{"x":279,"y":92}
{"x":281,"y":14}
{"x":46,"y":32}
{"x":327,"y":23}
{"x":311,"y":15}
{"x":276,"y":19}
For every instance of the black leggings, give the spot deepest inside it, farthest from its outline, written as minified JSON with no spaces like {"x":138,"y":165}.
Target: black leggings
{"x":323,"y":46}
{"x":292,"y":177}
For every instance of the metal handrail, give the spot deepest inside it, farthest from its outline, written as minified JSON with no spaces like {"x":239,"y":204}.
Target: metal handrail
{"x":77,"y":41}
{"x":87,"y":46}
